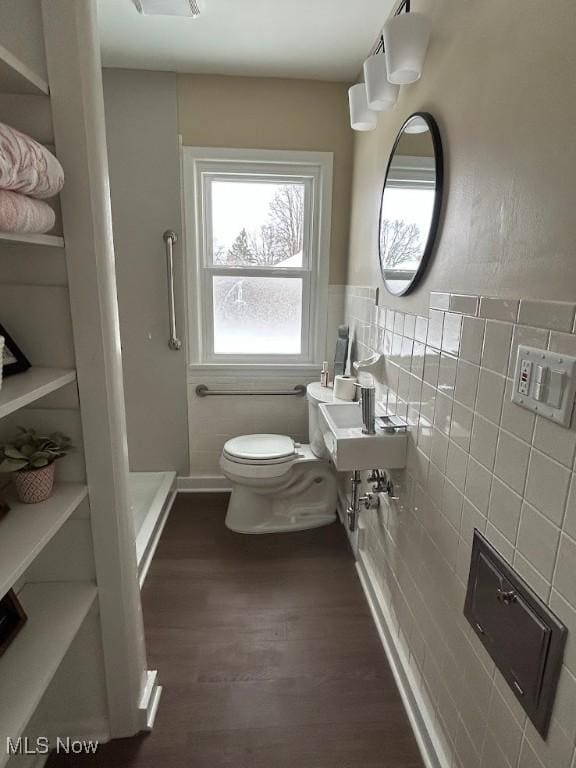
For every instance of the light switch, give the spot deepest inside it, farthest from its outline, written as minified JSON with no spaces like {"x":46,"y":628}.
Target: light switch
{"x":545,"y":382}
{"x":555,"y":388}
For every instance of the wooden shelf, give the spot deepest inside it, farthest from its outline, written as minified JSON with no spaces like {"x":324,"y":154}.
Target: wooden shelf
{"x":52,"y":241}
{"x":17,"y":77}
{"x":55,"y":613}
{"x":27,"y":528}
{"x":24,"y":388}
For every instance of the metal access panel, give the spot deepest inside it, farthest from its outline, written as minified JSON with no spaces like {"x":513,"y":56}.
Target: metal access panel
{"x":523,"y":637}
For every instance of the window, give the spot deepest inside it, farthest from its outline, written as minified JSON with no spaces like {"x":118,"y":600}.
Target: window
{"x":257,"y":230}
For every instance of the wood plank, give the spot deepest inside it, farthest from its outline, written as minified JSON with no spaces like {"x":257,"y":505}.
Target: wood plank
{"x":267,"y":651}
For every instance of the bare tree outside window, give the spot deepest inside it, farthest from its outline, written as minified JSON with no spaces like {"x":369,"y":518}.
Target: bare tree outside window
{"x":280,"y":238}
{"x":399,"y":241}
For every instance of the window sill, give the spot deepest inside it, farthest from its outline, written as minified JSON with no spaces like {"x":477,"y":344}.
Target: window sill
{"x":269,"y":370}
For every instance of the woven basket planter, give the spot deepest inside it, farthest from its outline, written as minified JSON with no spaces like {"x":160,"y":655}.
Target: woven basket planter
{"x":34,"y":485}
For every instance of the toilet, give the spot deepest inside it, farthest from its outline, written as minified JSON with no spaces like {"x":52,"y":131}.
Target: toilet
{"x":279,"y":485}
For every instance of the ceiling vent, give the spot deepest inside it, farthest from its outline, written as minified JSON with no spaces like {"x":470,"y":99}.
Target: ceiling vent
{"x":188,"y":8}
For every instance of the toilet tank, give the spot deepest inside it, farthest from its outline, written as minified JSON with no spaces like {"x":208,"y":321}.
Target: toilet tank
{"x":317,"y":394}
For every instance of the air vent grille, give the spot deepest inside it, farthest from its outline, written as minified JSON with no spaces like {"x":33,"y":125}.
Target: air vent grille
{"x":187,"y":8}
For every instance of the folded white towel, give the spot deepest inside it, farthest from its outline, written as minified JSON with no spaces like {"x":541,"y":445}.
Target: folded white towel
{"x":26,"y":166}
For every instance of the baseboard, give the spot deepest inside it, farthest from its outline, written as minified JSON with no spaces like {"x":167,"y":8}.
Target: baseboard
{"x":203,"y":484}
{"x":421,"y":718}
{"x":149,"y":701}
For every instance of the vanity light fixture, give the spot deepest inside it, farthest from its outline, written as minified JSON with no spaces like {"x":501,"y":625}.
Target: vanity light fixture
{"x":405,"y":40}
{"x":186,"y":8}
{"x":380,"y":92}
{"x":362,"y":118}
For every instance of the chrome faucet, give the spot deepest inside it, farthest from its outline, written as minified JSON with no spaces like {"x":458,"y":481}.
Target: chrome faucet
{"x":368,"y":405}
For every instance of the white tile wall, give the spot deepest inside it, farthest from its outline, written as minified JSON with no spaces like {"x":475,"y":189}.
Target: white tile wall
{"x":475,"y":460}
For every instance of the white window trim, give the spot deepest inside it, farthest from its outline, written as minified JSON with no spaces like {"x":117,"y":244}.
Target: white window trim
{"x":198,"y":159}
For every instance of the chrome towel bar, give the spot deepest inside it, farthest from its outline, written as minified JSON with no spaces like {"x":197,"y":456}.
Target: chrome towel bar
{"x":203,"y":391}
{"x":170,"y":238}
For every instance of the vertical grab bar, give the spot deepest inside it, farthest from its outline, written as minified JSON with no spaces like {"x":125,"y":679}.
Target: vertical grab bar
{"x":170,"y":238}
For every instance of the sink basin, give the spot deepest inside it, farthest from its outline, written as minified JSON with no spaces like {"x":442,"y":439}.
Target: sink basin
{"x":350,"y":449}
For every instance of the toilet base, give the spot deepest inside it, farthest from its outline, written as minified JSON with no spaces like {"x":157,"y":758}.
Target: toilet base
{"x":252,"y":511}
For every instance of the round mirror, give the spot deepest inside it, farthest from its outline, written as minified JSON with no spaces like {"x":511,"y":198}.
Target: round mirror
{"x":411,"y":201}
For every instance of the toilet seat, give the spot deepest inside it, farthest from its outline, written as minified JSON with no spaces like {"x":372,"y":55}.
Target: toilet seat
{"x":260,"y":450}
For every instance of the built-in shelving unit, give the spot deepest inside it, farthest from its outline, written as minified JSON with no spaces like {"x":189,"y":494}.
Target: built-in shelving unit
{"x":24,"y":388}
{"x":27,"y":528}
{"x":55,"y":614}
{"x":51,"y":241}
{"x":16,"y":77}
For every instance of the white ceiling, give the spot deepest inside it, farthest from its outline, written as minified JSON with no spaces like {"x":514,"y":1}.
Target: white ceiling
{"x":316,"y":39}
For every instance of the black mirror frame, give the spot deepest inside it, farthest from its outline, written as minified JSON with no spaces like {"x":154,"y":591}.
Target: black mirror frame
{"x":435,"y":222}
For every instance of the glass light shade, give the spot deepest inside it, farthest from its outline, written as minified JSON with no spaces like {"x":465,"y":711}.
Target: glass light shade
{"x":362,"y":118}
{"x":380,"y":92}
{"x":416,"y":125}
{"x":406,"y":38}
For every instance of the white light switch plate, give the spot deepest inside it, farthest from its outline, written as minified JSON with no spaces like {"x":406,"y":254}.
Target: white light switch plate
{"x":545,"y":382}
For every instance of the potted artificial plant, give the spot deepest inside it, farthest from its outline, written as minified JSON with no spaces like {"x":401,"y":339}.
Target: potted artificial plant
{"x":31,"y":458}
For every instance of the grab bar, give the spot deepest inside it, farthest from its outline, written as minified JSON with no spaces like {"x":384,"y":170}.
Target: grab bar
{"x":170,"y":238}
{"x":203,"y":391}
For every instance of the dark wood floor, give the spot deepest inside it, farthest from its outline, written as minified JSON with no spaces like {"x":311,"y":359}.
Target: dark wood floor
{"x":267,"y":652}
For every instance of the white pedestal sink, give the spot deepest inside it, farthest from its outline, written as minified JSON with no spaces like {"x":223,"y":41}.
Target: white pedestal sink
{"x":350,"y":449}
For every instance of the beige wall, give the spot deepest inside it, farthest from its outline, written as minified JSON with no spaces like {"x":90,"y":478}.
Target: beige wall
{"x":500,"y":81}
{"x":267,"y":113}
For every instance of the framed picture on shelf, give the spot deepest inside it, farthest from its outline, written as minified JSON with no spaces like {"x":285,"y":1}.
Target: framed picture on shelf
{"x":12,"y":619}
{"x":14,"y":360}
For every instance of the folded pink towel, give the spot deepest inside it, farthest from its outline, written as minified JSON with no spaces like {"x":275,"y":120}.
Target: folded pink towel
{"x":23,"y":215}
{"x":26,"y":166}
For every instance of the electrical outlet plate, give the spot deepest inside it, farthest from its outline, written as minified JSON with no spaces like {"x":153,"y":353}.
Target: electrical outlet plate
{"x":545,"y":382}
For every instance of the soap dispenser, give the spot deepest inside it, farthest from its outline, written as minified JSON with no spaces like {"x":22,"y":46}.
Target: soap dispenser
{"x":325,"y":375}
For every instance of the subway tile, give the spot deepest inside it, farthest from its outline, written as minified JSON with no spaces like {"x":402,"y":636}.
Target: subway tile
{"x":443,"y":413}
{"x":467,"y":305}
{"x":456,"y":463}
{"x":529,"y":337}
{"x":477,"y":488}
{"x":461,"y":426}
{"x":567,"y":615}
{"x":447,"y":374}
{"x":538,"y":540}
{"x":390,"y":314}
{"x":409,"y":326}
{"x":439,"y":449}
{"x":565,"y":575}
{"x":564,"y":711}
{"x":500,"y":542}
{"x":496,"y":349}
{"x":452,"y":504}
{"x":506,"y":730}
{"x":490,"y":394}
{"x":565,"y":343}
{"x":466,"y":383}
{"x":499,"y":309}
{"x":555,"y":441}
{"x":472,"y":339}
{"x":435,"y":327}
{"x":406,"y":353}
{"x":569,"y":524}
{"x":421,"y":330}
{"x":516,"y":419}
{"x":556,"y":751}
{"x":504,"y":510}
{"x":431,"y":366}
{"x":483,"y":442}
{"x":556,"y":315}
{"x":451,"y":333}
{"x":399,"y":323}
{"x":418,"y":350}
{"x":511,"y":465}
{"x":439,"y":300}
{"x":539,"y":584}
{"x":547,"y":486}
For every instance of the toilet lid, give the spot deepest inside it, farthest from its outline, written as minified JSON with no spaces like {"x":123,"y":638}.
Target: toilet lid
{"x":260,"y":447}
